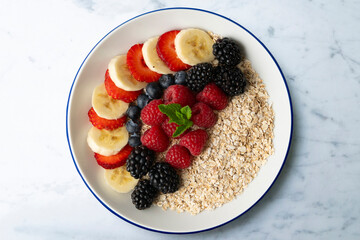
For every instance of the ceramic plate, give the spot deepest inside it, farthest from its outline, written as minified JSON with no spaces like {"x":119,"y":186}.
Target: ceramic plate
{"x":91,"y":73}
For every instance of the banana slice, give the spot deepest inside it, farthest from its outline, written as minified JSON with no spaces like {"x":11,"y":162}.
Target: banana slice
{"x":151,"y":58}
{"x":121,"y":75}
{"x":120,"y":180}
{"x":105,"y":106}
{"x":107,"y":142}
{"x":194,"y":46}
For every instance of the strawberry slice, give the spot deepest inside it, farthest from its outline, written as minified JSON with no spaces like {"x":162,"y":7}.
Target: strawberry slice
{"x":118,"y":93}
{"x":166,"y":50}
{"x":114,"y":161}
{"x":102,"y":123}
{"x":137,"y":65}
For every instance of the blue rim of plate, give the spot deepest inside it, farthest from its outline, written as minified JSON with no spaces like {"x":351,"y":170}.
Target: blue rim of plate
{"x":291,"y":124}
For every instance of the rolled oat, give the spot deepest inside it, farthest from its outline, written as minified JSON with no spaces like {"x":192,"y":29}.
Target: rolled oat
{"x":239,"y":144}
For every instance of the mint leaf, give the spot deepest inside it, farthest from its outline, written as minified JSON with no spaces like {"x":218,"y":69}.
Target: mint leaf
{"x":180,"y":129}
{"x":179,"y":115}
{"x":170,"y":110}
{"x":186,"y":111}
{"x":181,"y":119}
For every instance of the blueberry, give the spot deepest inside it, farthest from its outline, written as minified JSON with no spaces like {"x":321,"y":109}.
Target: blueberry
{"x":142,"y":100}
{"x":180,"y":78}
{"x":133,"y":126}
{"x":154,"y":90}
{"x":133,"y":112}
{"x":135,"y":134}
{"x":134,"y":141}
{"x":166,"y":81}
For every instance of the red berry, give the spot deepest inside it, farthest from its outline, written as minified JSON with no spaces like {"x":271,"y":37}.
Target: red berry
{"x":194,"y":141}
{"x":213,"y":96}
{"x":114,"y":161}
{"x":165,"y":48}
{"x":102,"y":123}
{"x":151,"y":114}
{"x":179,"y":94}
{"x":169,"y":128}
{"x":203,"y":115}
{"x":178,"y":156}
{"x":155,"y":139}
{"x":137,"y":65}
{"x":118,"y":93}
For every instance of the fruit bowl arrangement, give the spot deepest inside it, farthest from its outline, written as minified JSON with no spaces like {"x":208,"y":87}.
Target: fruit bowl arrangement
{"x":186,"y":75}
{"x":152,"y":102}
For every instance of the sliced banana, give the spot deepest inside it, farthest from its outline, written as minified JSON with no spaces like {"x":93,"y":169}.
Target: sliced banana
{"x":107,"y":142}
{"x":120,"y":180}
{"x":105,"y":106}
{"x":151,"y":58}
{"x":194,"y":46}
{"x":121,"y":75}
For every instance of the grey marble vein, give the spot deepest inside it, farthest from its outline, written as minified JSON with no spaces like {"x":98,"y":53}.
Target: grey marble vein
{"x":316,"y":43}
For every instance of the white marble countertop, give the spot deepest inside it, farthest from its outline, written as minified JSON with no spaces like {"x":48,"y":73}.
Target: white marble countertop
{"x":316,"y":43}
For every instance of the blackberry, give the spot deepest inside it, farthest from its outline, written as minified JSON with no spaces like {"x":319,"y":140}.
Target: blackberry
{"x":230,"y":79}
{"x":140,"y":161}
{"x":199,"y":76}
{"x":227,"y":52}
{"x":164,"y":177}
{"x":143,"y":194}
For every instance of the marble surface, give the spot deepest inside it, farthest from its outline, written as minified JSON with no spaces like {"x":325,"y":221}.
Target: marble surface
{"x":317,"y":44}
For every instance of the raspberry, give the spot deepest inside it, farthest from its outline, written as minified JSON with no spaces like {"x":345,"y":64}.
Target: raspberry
{"x":194,"y":141}
{"x":203,"y":115}
{"x":213,"y":96}
{"x":169,"y":128}
{"x":151,"y":114}
{"x":179,"y":94}
{"x":178,"y":156}
{"x":155,"y":139}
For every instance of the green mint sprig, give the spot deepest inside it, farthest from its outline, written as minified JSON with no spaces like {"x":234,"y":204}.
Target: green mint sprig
{"x":179,"y":115}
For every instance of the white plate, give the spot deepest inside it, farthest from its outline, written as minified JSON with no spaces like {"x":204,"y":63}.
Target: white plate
{"x":91,"y":73}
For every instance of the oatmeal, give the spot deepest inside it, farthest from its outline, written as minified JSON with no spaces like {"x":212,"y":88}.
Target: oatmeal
{"x":239,"y":144}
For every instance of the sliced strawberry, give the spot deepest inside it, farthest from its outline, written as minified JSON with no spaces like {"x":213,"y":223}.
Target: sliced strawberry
{"x":137,"y":65}
{"x":114,"y":161}
{"x":166,"y":50}
{"x":102,"y":123}
{"x":118,"y":93}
